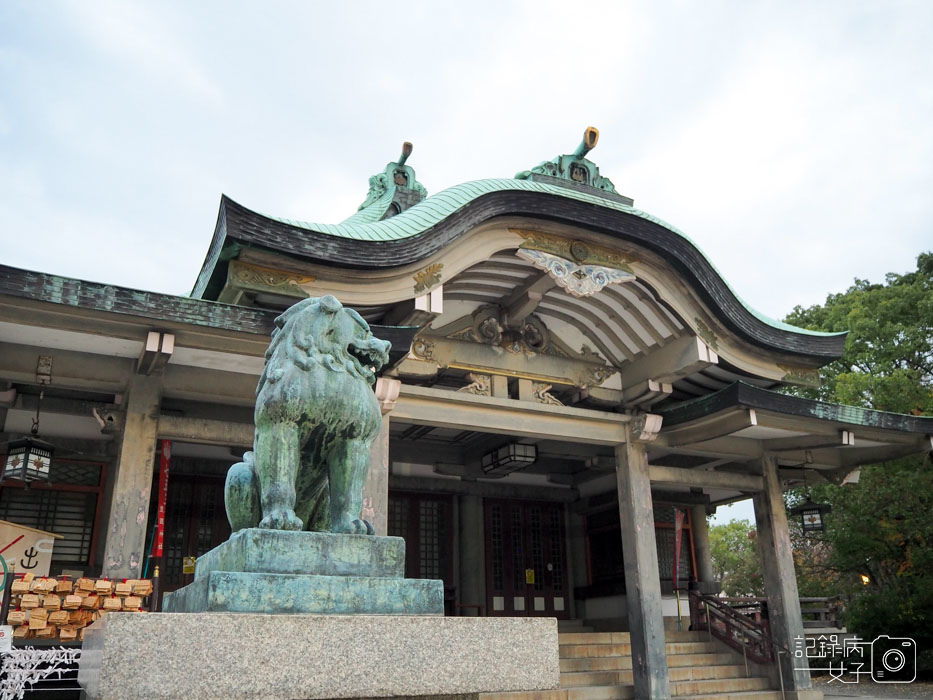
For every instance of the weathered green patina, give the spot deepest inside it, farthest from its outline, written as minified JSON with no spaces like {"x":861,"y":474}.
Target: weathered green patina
{"x":390,"y":192}
{"x":574,"y":166}
{"x":276,"y":572}
{"x":238,"y":592}
{"x":324,"y":553}
{"x":316,"y":417}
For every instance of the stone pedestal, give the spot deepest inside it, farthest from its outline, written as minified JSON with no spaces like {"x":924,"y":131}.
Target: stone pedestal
{"x":213,"y":656}
{"x":274,"y":571}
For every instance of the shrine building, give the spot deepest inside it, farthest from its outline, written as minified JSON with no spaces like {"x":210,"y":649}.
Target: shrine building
{"x":572,"y":389}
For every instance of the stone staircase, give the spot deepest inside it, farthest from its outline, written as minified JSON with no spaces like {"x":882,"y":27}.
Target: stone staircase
{"x":598,"y":666}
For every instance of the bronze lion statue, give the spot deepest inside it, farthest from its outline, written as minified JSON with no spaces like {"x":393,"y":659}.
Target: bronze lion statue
{"x":316,"y":417}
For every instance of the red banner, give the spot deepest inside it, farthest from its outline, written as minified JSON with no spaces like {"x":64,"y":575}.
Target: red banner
{"x":165,"y":459}
{"x":678,"y":538}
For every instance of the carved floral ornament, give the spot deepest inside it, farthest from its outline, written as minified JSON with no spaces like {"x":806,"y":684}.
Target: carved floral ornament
{"x":480,"y":385}
{"x":580,"y":280}
{"x":579,"y":267}
{"x":542,"y":394}
{"x":427,"y":277}
{"x":270,"y":279}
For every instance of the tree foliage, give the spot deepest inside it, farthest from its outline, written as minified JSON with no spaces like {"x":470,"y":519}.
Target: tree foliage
{"x":882,"y":526}
{"x":888,"y":360}
{"x":734,"y":552}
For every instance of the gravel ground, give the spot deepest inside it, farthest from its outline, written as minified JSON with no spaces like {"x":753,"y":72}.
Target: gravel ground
{"x":918,"y":690}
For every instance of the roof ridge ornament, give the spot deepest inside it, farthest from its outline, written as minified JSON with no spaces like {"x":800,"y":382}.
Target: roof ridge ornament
{"x":391,"y":192}
{"x":573,"y":167}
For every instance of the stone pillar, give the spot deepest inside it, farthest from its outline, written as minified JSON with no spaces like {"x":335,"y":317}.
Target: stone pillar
{"x":642,"y":579}
{"x":376,"y":488}
{"x":700,"y":527}
{"x":780,"y":579}
{"x":472,"y":553}
{"x":129,"y":507}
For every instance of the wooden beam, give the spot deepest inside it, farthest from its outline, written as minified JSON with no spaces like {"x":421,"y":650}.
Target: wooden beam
{"x":524,"y":300}
{"x":405,"y":314}
{"x":718,"y":425}
{"x":204,"y":430}
{"x":411,"y":368}
{"x":679,"y":358}
{"x":842,"y":438}
{"x":451,"y":409}
{"x":730,"y":448}
{"x":646,"y":393}
{"x":419,"y":452}
{"x":704,"y":479}
{"x":488,"y":489}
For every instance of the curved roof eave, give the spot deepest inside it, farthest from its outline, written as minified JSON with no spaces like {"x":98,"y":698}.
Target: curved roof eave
{"x":425,"y":228}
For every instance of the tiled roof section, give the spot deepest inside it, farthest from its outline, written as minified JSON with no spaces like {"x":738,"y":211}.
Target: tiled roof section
{"x":424,"y":229}
{"x":41,"y":286}
{"x":745,"y":395}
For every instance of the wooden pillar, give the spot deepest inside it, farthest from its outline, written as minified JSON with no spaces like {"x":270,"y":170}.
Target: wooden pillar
{"x":129,"y":507}
{"x":376,"y":488}
{"x":642,"y":579}
{"x":700,"y":527}
{"x":472,"y":555}
{"x":780,"y":579}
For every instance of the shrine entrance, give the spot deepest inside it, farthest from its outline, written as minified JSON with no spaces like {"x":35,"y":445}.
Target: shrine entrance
{"x":195,"y":523}
{"x":526,"y":570}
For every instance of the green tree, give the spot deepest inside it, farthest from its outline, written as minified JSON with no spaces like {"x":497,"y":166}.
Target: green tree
{"x":888,"y":360}
{"x":734,"y":551}
{"x":882,"y":526}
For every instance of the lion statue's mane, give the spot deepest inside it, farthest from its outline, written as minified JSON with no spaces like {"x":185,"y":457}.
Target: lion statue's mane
{"x":316,"y":417}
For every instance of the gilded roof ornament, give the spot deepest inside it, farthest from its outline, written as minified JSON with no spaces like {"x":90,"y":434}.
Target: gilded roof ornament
{"x":390,"y":192}
{"x":573,"y":167}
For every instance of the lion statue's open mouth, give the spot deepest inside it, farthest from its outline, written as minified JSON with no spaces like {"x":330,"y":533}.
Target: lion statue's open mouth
{"x":368,"y":356}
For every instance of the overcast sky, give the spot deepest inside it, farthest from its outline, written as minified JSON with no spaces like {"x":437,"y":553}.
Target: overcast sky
{"x":793,"y":141}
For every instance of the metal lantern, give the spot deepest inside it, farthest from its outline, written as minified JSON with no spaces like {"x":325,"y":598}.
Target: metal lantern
{"x":811,"y":515}
{"x":509,"y":458}
{"x":28,"y":460}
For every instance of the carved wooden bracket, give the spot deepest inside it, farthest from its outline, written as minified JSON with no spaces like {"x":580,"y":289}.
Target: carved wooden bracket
{"x":387,"y":390}
{"x":480,"y":384}
{"x":645,"y":427}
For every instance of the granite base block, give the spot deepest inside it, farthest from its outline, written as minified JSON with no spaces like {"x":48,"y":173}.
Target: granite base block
{"x":214,"y":656}
{"x":229,"y":591}
{"x":281,"y":552}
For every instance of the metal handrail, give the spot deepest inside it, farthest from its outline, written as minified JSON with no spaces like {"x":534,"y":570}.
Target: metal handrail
{"x":750,"y":637}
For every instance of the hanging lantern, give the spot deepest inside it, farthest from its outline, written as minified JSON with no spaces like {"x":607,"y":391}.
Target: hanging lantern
{"x":811,"y":515}
{"x":509,"y":458}
{"x":28,"y":460}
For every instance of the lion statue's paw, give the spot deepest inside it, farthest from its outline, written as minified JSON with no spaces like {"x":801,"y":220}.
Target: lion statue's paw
{"x":358,"y":527}
{"x":281,"y":519}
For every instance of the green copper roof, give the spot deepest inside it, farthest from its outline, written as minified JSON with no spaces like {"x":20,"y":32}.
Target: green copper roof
{"x":435,"y":208}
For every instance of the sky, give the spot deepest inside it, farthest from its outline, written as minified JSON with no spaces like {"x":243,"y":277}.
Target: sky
{"x":792,"y":141}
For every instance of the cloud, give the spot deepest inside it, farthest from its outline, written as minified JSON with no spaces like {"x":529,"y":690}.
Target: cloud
{"x":134,"y":33}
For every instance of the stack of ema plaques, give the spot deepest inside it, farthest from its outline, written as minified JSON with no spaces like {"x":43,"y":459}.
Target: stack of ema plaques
{"x":278,"y":571}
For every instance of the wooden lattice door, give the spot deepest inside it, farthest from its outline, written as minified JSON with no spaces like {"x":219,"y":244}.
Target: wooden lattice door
{"x":526,"y":571}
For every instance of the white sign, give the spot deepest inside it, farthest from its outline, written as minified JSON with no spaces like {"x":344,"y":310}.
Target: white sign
{"x":6,"y":638}
{"x":28,"y":549}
